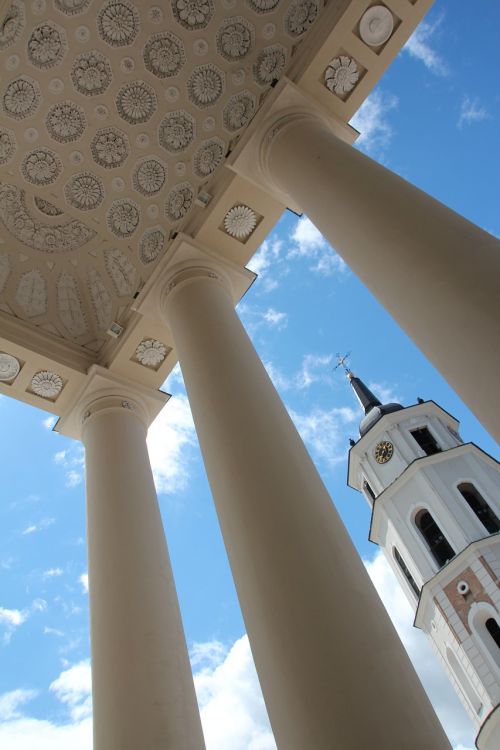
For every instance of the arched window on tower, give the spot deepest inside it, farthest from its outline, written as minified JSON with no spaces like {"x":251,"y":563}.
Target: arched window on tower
{"x":480,"y":507}
{"x":405,"y":571}
{"x":437,"y":543}
{"x":493,"y":629}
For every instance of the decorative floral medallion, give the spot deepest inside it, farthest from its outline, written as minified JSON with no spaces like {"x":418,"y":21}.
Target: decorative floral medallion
{"x":46,"y":208}
{"x":72,"y":7}
{"x":101,"y":299}
{"x":263,"y":6}
{"x":164,"y":55}
{"x":376,"y":25}
{"x":109,"y":148}
{"x":235,"y":38}
{"x":69,"y":306}
{"x":238,"y":111}
{"x":301,"y":16}
{"x":121,"y":270}
{"x":8,"y":145}
{"x":205,"y":85}
{"x":176,"y":131}
{"x":270,"y":65}
{"x":209,"y":156}
{"x":47,"y":238}
{"x":193,"y":14}
{"x":151,"y":353}
{"x":9,"y":367}
{"x":155,"y":14}
{"x":341,"y":75}
{"x":46,"y":384}
{"x":84,"y":191}
{"x":91,"y":73}
{"x":179,"y":201}
{"x":47,"y":45}
{"x":240,"y":221}
{"x":31,"y":294}
{"x":151,"y":244}
{"x":65,"y":122}
{"x":149,"y":177}
{"x":123,"y":218}
{"x":21,"y":98}
{"x":13,"y":23}
{"x":41,"y":167}
{"x":136,"y":102}
{"x":118,"y":23}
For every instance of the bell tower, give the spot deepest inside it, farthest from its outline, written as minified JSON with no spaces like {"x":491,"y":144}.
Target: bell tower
{"x":435,"y":503}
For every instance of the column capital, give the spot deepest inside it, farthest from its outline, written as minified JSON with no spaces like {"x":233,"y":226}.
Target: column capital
{"x":106,"y":391}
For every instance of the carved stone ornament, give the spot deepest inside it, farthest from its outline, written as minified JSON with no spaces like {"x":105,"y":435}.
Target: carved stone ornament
{"x":238,"y":111}
{"x":41,"y":167}
{"x":205,"y":85}
{"x":151,"y":244}
{"x":101,"y":300}
{"x":193,"y":14}
{"x":270,"y":65}
{"x":84,"y":191}
{"x":179,"y":201}
{"x":46,"y":384}
{"x":164,"y":54}
{"x":176,"y":131}
{"x":65,"y":122}
{"x":91,"y":73}
{"x":31,"y":294}
{"x":301,"y":16}
{"x":149,"y":177}
{"x":121,"y":270}
{"x":123,"y":218}
{"x":151,"y":353}
{"x":136,"y":102}
{"x":240,"y":221}
{"x":46,"y":208}
{"x":13,"y":23}
{"x":72,"y":7}
{"x":341,"y":75}
{"x":8,"y":145}
{"x":9,"y":367}
{"x":46,"y":45}
{"x":263,"y":6}
{"x":69,"y":306}
{"x":376,"y":25}
{"x":21,"y":98}
{"x":235,"y":38}
{"x":110,"y":148}
{"x":118,"y":23}
{"x":208,"y":157}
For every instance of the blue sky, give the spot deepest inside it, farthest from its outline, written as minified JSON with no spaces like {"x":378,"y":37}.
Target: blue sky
{"x":434,"y":119}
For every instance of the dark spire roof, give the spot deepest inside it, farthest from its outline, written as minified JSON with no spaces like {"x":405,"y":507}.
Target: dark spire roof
{"x":373,"y":408}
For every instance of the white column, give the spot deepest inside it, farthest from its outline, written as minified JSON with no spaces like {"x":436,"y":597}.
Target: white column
{"x":332,"y":669}
{"x":435,"y":272}
{"x":142,"y":686}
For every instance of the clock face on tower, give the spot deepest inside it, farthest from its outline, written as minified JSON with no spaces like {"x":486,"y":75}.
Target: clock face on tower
{"x":383,"y":452}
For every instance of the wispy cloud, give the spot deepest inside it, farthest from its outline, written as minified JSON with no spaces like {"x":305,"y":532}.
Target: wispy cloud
{"x":84,"y":582}
{"x":264,"y":263}
{"x":73,"y":461}
{"x":73,"y":688}
{"x":471,"y":110}
{"x":326,"y":432}
{"x":255,"y":317}
{"x":52,"y":573}
{"x":10,"y":619}
{"x":11,"y":702}
{"x":275,"y":318}
{"x":171,"y":443}
{"x":33,"y":528}
{"x":419,"y":46}
{"x":314,"y":368}
{"x":372,"y":122}
{"x":49,"y":422}
{"x":385,"y":393}
{"x":308,"y":242}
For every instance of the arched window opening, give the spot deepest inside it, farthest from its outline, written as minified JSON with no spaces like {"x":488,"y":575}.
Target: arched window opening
{"x":493,"y":629}
{"x":437,"y":543}
{"x":368,"y":490}
{"x":426,"y":441}
{"x":464,"y":681}
{"x":480,"y":507}
{"x":405,"y":571}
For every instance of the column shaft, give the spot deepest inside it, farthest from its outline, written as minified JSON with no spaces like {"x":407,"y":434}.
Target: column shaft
{"x":434,"y":271}
{"x":332,"y":669}
{"x":143,"y":692}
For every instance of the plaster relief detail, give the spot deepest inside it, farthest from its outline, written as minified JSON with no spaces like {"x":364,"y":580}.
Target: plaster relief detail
{"x":46,"y":45}
{"x":301,"y":16}
{"x":151,"y":244}
{"x":118,"y":23}
{"x":193,"y":14}
{"x":151,"y":353}
{"x":208,"y":157}
{"x":164,"y":55}
{"x":21,"y":98}
{"x":46,"y":208}
{"x":205,"y":85}
{"x":177,"y":131}
{"x":101,"y":300}
{"x":136,"y":102}
{"x":121,"y":270}
{"x":149,"y":177}
{"x":270,"y":65}
{"x":46,"y":384}
{"x":238,"y":111}
{"x":9,"y":367}
{"x":179,"y":201}
{"x":110,"y":148}
{"x":341,"y":75}
{"x":69,"y":306}
{"x":13,"y":24}
{"x":31,"y":294}
{"x":84,"y":191}
{"x":41,"y":167}
{"x":240,"y":221}
{"x":91,"y":73}
{"x":8,"y":145}
{"x":65,"y":122}
{"x":376,"y":25}
{"x":4,"y":270}
{"x":235,"y":38}
{"x":72,"y":7}
{"x":123,"y":218}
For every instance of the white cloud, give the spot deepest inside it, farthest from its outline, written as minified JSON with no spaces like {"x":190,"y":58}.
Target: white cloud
{"x":73,"y":688}
{"x":308,"y":242}
{"x":170,"y":440}
{"x":12,"y":701}
{"x":315,"y":368}
{"x":471,"y":111}
{"x":39,"y":526}
{"x":73,"y":478}
{"x":72,"y":460}
{"x":275,"y":318}
{"x":10,"y":619}
{"x":280,"y":380}
{"x":84,"y":580}
{"x":264,"y":262}
{"x":419,"y":47}
{"x":385,"y":393}
{"x":371,"y":120}
{"x":49,"y":422}
{"x":52,"y":573}
{"x":326,"y":433}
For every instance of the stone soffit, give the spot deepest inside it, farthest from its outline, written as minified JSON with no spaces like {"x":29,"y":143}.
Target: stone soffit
{"x":116,"y":122}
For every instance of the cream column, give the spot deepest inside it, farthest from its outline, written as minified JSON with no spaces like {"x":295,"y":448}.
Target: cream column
{"x":332,"y":669}
{"x":142,"y":686}
{"x":435,"y":272}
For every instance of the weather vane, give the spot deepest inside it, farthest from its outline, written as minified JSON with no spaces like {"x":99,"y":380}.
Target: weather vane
{"x":342,"y":362}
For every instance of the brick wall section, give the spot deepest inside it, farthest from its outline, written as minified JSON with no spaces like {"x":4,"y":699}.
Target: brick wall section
{"x":461,"y":604}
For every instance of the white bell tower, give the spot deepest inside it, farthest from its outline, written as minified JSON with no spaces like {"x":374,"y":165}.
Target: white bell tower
{"x":435,"y":504}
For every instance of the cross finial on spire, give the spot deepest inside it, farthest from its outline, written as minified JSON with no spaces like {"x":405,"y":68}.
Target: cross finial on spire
{"x":342,"y":362}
